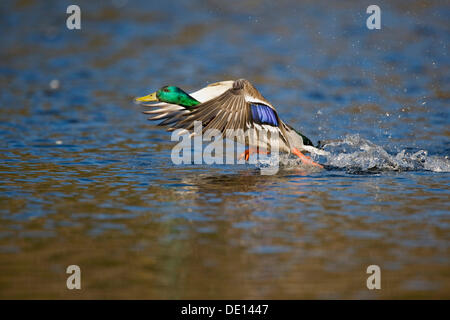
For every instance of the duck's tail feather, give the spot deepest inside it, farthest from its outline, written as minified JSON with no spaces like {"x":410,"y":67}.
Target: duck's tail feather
{"x":315,"y":150}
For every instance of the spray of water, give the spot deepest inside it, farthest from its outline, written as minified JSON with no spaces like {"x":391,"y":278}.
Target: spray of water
{"x":355,"y":154}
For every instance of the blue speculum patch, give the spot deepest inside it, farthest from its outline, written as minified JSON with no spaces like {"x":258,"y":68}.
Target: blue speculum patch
{"x":262,"y":114}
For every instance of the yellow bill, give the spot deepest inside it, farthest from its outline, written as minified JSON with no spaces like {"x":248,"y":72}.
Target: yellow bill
{"x":147,"y":98}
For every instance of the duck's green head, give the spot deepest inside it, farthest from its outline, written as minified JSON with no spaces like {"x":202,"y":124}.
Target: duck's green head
{"x":170,"y":94}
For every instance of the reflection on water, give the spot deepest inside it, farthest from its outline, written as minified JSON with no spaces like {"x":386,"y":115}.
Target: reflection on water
{"x":86,"y":180}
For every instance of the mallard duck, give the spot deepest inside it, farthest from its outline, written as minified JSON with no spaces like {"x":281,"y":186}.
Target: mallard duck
{"x":228,"y":105}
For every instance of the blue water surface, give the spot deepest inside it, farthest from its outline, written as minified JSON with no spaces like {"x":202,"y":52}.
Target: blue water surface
{"x":86,"y":179}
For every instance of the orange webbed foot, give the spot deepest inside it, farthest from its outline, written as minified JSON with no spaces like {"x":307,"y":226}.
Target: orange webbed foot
{"x":250,"y":151}
{"x":245,"y":154}
{"x":305,"y":159}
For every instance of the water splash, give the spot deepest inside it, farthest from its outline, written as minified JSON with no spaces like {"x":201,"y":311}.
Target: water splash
{"x":356,"y":154}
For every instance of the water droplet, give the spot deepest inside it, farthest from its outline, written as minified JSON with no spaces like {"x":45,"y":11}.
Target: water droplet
{"x":54,"y":84}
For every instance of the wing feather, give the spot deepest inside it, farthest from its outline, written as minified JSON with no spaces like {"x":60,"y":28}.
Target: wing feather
{"x":230,"y":109}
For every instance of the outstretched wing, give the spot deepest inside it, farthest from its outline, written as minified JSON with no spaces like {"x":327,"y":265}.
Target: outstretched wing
{"x":233,"y":110}
{"x":172,"y":113}
{"x":234,"y":105}
{"x":228,"y":111}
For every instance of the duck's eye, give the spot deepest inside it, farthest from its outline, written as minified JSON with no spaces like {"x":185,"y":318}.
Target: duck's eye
{"x":166,"y":90}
